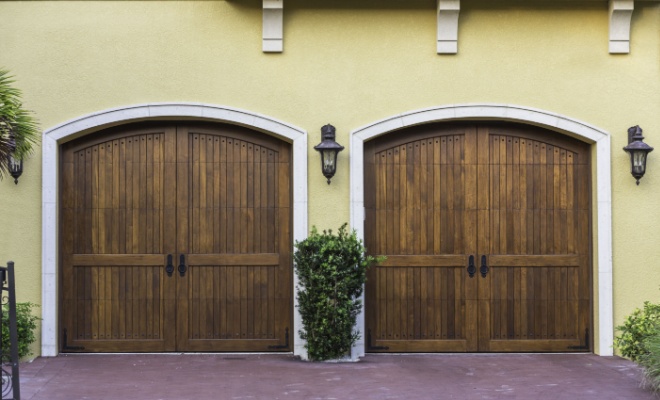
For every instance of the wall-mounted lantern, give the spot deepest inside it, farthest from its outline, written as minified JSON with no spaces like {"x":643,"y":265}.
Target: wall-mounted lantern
{"x":329,"y":150}
{"x":15,"y":165}
{"x":15,"y":168}
{"x":638,"y":151}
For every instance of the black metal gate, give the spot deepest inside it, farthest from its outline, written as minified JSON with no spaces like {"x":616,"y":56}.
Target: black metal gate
{"x":9,"y":351}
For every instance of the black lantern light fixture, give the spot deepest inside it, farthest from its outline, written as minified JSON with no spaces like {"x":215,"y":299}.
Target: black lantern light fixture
{"x":329,"y":150}
{"x":15,"y":165}
{"x":638,"y":151}
{"x":15,"y":168}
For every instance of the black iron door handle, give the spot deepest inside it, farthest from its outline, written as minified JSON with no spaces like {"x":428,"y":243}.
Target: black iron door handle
{"x":471,"y":269}
{"x":182,"y":265}
{"x":484,"y":267}
{"x":169,"y":268}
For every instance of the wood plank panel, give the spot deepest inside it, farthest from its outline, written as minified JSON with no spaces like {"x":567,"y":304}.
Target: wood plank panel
{"x":531,"y":303}
{"x":113,"y":262}
{"x":264,"y":259}
{"x":416,"y":216}
{"x":236,"y":294}
{"x":218,"y":195}
{"x":423,"y":261}
{"x":568,"y":260}
{"x":116,"y":259}
{"x":519,"y":197}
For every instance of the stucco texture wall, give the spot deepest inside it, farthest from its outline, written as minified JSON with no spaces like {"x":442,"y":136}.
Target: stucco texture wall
{"x":345,"y":63}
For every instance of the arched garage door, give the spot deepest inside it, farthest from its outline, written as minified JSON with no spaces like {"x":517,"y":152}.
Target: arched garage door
{"x":176,"y":237}
{"x":487,"y":232}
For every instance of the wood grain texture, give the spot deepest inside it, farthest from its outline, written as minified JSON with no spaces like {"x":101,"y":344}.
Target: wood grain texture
{"x":236,"y":295}
{"x":220,"y":196}
{"x":417,"y":213}
{"x":113,"y":290}
{"x":519,"y":197}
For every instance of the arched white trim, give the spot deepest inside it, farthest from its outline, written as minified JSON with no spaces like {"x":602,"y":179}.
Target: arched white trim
{"x":52,"y":138}
{"x":503,"y":112}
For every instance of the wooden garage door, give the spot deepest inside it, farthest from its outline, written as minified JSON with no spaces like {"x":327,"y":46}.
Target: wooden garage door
{"x":212,"y":203}
{"x":508,"y":203}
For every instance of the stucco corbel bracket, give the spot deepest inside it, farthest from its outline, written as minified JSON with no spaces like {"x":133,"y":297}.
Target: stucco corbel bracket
{"x":273,"y":26}
{"x":448,"y":11}
{"x":620,"y":17}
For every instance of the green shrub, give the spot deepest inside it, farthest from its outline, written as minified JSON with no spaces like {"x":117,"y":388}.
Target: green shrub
{"x":651,"y":360}
{"x":26,"y":324}
{"x":331,"y":271}
{"x":638,"y":326}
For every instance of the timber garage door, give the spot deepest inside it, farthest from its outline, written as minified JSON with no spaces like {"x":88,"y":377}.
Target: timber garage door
{"x":486,"y":229}
{"x":176,"y":238}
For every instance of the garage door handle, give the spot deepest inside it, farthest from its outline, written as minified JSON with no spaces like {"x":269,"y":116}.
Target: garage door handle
{"x":182,"y":265}
{"x":471,"y":269}
{"x":169,"y":268}
{"x":484,"y":267}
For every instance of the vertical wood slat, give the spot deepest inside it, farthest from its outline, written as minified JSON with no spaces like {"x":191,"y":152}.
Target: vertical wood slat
{"x":538,"y":298}
{"x":529,"y":210}
{"x":126,"y":185}
{"x":114,"y":181}
{"x":417,"y":206}
{"x":244,"y":188}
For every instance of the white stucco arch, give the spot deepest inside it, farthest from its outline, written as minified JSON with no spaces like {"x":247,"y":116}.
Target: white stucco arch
{"x":602,"y":203}
{"x":53,"y":137}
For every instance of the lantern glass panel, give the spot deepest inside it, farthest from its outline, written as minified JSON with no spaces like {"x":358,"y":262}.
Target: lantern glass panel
{"x":638,"y":159}
{"x":14,"y":163}
{"x":638,"y":163}
{"x":329,"y":160}
{"x":15,"y":168}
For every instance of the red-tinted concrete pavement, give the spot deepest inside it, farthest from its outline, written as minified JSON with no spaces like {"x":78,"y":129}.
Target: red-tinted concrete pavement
{"x":234,"y":376}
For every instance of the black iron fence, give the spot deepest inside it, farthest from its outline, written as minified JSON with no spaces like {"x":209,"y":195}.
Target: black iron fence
{"x":9,"y":350}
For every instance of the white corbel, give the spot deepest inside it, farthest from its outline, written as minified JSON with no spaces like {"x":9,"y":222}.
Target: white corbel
{"x":620,"y":16}
{"x":273,"y":26}
{"x":448,"y":11}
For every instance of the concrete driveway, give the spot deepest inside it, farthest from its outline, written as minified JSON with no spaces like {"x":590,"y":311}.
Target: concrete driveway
{"x":240,"y":376}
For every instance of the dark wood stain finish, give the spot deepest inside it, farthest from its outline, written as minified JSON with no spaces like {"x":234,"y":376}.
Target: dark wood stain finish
{"x":520,"y":196}
{"x":219,"y":195}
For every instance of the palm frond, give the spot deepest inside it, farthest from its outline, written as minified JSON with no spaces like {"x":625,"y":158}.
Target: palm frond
{"x":14,"y":121}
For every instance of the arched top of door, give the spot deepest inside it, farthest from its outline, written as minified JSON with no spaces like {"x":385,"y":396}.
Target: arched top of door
{"x":490,"y":112}
{"x":52,"y":139}
{"x":171,"y":111}
{"x":600,"y":139}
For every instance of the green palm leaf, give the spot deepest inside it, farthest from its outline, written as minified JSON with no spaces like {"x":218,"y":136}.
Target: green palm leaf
{"x":14,"y":121}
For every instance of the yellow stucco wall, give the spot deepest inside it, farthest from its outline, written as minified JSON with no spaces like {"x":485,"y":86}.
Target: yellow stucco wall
{"x":348,"y":63}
